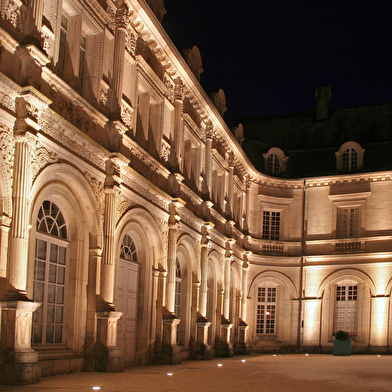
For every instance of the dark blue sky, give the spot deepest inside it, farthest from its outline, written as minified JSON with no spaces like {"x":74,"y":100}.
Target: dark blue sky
{"x":269,"y":56}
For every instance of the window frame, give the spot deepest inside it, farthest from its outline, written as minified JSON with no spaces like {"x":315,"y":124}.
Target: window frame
{"x":340,"y":157}
{"x":277,"y":155}
{"x":353,"y":200}
{"x":50,"y":240}
{"x":274,"y":304}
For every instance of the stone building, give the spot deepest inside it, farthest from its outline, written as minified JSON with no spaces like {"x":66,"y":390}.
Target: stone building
{"x":134,"y":228}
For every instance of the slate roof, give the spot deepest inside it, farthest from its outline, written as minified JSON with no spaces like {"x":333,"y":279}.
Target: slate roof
{"x":310,"y":145}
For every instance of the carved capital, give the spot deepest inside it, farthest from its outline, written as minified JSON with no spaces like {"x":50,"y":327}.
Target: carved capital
{"x":209,"y":131}
{"x":230,"y":159}
{"x":179,"y":90}
{"x":122,"y":16}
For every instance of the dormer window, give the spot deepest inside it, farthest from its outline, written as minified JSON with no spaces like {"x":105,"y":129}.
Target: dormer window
{"x":349,"y":157}
{"x":275,"y":161}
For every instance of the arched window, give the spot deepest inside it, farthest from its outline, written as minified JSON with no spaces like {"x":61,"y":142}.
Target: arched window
{"x":49,"y":275}
{"x":128,"y":249}
{"x":177,"y":300}
{"x":349,"y":157}
{"x":275,"y":161}
{"x":273,"y":164}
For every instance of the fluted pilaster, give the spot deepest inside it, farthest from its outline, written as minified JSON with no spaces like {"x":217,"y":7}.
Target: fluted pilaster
{"x":118,"y":61}
{"x":17,"y":268}
{"x":172,"y":257}
{"x":205,"y":244}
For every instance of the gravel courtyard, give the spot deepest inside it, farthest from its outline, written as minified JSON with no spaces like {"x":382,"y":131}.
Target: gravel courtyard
{"x":280,"y":373}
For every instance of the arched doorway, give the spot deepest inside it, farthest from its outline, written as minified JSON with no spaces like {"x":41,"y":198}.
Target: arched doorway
{"x":127,"y":299}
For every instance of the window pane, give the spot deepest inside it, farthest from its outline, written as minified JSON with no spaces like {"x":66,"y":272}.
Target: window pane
{"x":58,"y":333}
{"x":41,"y":249}
{"x":38,"y":315}
{"x":49,"y":333}
{"x":53,"y":253}
{"x":51,"y":293}
{"x":59,"y":314}
{"x":60,"y":275}
{"x":50,"y":314}
{"x":60,"y":295}
{"x":52,"y":273}
{"x":37,"y":334}
{"x":39,"y":270}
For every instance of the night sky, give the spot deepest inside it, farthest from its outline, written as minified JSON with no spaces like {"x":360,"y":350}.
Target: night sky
{"x":269,"y":56}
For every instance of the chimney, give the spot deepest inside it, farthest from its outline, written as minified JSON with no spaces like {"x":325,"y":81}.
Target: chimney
{"x":323,"y":95}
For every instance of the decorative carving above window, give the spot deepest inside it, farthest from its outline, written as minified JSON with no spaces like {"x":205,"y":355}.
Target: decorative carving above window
{"x":349,"y":157}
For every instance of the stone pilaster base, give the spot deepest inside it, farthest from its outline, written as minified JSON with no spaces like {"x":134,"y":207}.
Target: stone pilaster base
{"x":240,"y":348}
{"x":19,"y":368}
{"x":201,"y":349}
{"x":171,"y":355}
{"x":170,"y":352}
{"x":108,"y":357}
{"x":18,"y":361}
{"x":224,"y":348}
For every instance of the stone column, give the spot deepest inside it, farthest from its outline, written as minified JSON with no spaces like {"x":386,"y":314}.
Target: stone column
{"x":243,"y":326}
{"x":170,"y":350}
{"x":227,"y":263}
{"x":161,"y":298}
{"x":174,"y":220}
{"x":118,"y":60}
{"x":93,"y":290}
{"x":34,"y":18}
{"x":247,"y":204}
{"x":230,"y":193}
{"x":177,"y":155}
{"x":379,"y":324}
{"x":225,"y":348}
{"x":203,"y":350}
{"x":108,"y":355}
{"x":245,"y":269}
{"x":205,"y":245}
{"x":311,"y":324}
{"x":18,"y":361}
{"x":208,"y":161}
{"x":17,"y":263}
{"x":5,"y":223}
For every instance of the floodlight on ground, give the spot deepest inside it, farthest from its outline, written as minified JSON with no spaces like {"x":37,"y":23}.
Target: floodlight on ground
{"x":243,"y":360}
{"x":220,"y":365}
{"x":170,"y":374}
{"x":274,"y":355}
{"x":306,"y":355}
{"x":96,"y":388}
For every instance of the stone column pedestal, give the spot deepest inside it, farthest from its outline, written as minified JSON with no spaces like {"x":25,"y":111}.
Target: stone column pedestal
{"x":202,"y":348}
{"x":240,"y":348}
{"x":171,"y":353}
{"x":18,"y":361}
{"x":224,"y":348}
{"x":108,"y":357}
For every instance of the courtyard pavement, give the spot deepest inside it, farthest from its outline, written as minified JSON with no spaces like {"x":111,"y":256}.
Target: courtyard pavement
{"x":267,"y":372}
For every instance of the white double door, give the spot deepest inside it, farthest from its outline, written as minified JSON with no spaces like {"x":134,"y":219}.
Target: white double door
{"x":127,"y":293}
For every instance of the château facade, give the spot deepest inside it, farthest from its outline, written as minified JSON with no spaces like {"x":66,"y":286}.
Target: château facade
{"x":134,"y":229}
